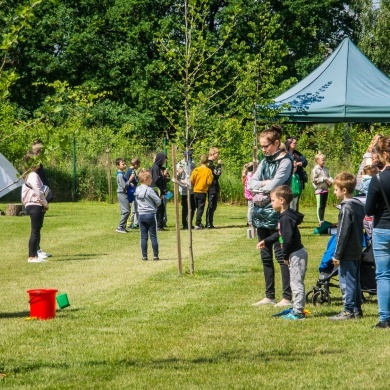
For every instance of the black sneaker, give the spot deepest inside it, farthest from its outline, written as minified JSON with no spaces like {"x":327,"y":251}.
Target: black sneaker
{"x":384,"y":324}
{"x":358,"y":314}
{"x":210,"y":227}
{"x":144,"y":258}
{"x":344,"y":315}
{"x":155,"y":258}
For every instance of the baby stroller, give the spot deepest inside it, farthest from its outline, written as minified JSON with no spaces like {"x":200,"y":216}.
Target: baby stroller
{"x":320,"y":293}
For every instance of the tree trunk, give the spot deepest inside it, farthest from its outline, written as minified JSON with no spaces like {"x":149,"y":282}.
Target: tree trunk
{"x":13,"y":210}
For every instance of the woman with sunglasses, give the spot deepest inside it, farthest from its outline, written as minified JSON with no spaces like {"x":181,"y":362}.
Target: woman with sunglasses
{"x":274,"y":170}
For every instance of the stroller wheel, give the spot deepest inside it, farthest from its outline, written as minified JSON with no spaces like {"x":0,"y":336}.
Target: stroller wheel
{"x":309,"y":296}
{"x":319,"y":298}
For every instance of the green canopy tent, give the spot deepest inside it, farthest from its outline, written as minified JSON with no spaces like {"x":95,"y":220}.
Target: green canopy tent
{"x":347,"y":87}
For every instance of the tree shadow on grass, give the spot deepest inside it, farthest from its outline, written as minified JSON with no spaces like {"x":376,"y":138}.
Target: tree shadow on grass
{"x":80,"y":256}
{"x":231,"y":226}
{"x":218,"y":274}
{"x":20,"y":314}
{"x":223,"y":357}
{"x":26,"y":314}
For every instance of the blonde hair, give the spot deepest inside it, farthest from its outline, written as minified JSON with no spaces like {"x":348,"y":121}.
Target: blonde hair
{"x":213,"y":151}
{"x":318,"y":156}
{"x":373,"y":142}
{"x":37,"y":148}
{"x":203,"y":158}
{"x":144,"y":175}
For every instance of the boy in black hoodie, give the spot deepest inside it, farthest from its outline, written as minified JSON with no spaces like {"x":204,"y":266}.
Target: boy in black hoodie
{"x":295,"y":254}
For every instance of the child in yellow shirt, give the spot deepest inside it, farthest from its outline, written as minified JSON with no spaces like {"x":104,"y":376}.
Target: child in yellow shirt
{"x":201,"y":180}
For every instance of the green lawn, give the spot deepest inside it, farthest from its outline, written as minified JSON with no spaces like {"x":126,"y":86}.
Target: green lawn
{"x":138,"y":325}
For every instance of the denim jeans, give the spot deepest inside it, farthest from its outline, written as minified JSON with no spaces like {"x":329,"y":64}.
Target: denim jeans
{"x":148,"y":225}
{"x":349,"y":278}
{"x":381,"y":247}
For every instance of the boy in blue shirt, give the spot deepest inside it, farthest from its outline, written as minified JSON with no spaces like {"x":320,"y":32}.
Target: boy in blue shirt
{"x":123,"y":200}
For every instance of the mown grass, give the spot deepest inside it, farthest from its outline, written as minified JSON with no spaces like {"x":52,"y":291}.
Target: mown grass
{"x":139,"y":325}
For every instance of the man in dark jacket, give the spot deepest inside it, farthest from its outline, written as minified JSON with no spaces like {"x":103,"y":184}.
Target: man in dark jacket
{"x":213,"y":192}
{"x":160,"y":177}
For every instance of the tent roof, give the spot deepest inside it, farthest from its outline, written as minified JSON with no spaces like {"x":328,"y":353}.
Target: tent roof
{"x":347,"y":87}
{"x":9,"y":180}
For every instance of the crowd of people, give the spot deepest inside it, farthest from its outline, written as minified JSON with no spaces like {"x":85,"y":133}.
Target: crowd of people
{"x":146,"y":208}
{"x":272,"y":191}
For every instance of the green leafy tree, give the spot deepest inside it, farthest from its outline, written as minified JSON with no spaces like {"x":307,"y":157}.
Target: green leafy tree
{"x":195,"y":59}
{"x":310,"y":28}
{"x":105,"y":45}
{"x":375,"y":37}
{"x":14,"y":25}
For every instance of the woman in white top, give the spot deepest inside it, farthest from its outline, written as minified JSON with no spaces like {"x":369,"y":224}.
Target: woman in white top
{"x":366,"y":160}
{"x":35,"y":203}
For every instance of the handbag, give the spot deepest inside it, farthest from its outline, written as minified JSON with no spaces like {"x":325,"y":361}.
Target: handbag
{"x":45,"y":189}
{"x":261,"y":199}
{"x":305,"y":177}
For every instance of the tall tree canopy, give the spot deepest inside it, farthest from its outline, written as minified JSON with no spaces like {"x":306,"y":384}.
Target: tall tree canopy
{"x":113,"y":46}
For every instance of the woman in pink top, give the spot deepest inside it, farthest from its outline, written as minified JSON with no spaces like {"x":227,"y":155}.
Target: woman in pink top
{"x":35,"y":203}
{"x":247,"y":173}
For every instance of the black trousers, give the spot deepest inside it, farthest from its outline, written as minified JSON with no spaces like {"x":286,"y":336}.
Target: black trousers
{"x":200,"y":202}
{"x":184,"y":210}
{"x":160,"y":214}
{"x":211,"y":207}
{"x":36,"y":214}
{"x":266,"y":256}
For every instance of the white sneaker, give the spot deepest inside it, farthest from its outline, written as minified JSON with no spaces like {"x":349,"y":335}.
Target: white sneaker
{"x":43,"y":255}
{"x":265,"y":301}
{"x":283,"y":303}
{"x":35,"y":260}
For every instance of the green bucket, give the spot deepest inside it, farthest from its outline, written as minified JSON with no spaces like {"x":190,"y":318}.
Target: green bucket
{"x":62,"y":300}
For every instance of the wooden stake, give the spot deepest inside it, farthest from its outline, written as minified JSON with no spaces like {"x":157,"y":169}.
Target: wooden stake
{"x":177,"y":216}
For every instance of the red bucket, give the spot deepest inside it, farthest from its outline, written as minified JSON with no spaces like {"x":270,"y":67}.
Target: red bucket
{"x":42,"y":303}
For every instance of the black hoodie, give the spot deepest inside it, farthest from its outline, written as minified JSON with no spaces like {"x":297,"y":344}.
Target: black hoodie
{"x":157,"y":172}
{"x":288,"y":233}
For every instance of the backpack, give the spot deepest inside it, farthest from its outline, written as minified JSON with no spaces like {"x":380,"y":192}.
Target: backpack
{"x":130,"y":189}
{"x":296,"y":185}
